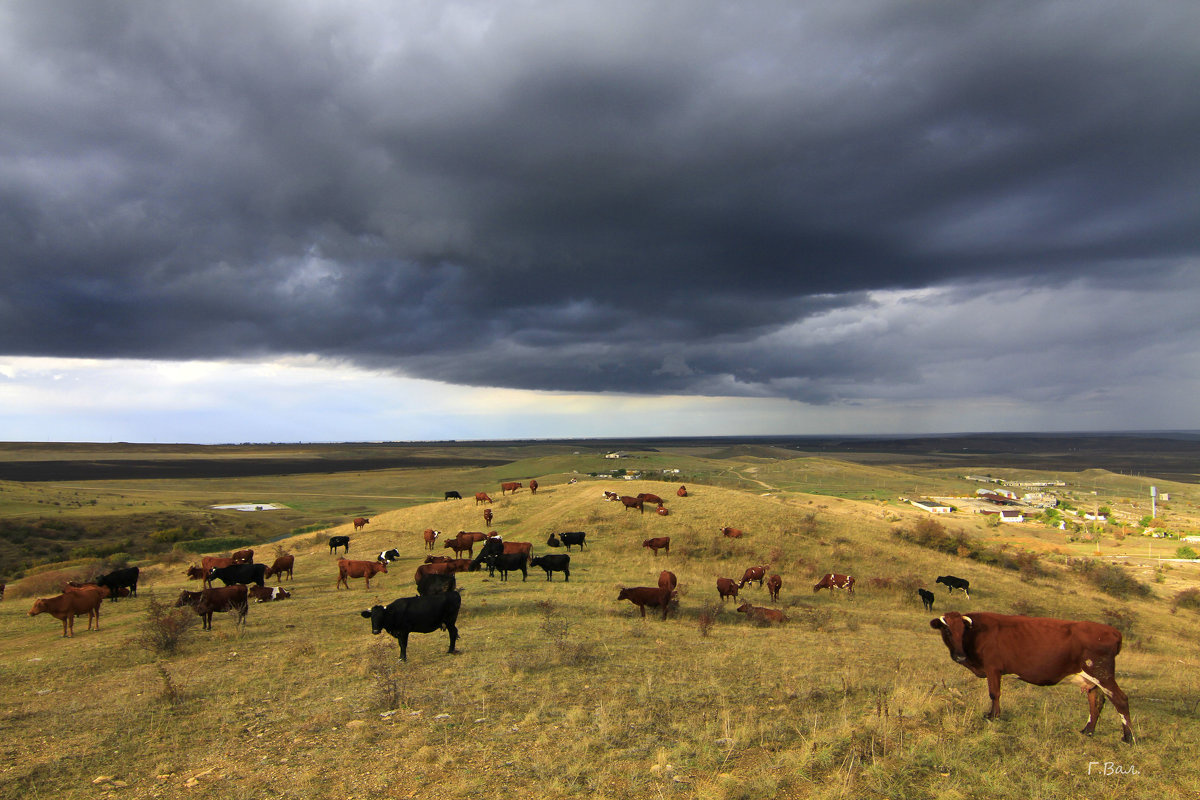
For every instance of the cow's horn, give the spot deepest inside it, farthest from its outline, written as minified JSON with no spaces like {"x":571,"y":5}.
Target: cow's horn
{"x":942,"y":619}
{"x":967,"y":620}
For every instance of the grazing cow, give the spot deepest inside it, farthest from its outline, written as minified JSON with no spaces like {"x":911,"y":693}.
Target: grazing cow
{"x":753,"y":574}
{"x":554,"y":563}
{"x":833,"y":580}
{"x":265,"y":594}
{"x":632,"y":502}
{"x":360,"y":523}
{"x":127,"y":578}
{"x":339,"y":541}
{"x":279,"y":566}
{"x":774,"y":584}
{"x":611,"y":495}
{"x":642,"y":596}
{"x":646,"y":497}
{"x":243,"y":557}
{"x":487,"y":517}
{"x":482,"y":497}
{"x":388,"y":556}
{"x":953,"y":583}
{"x":358,"y":569}
{"x":420,"y":614}
{"x":533,"y":486}
{"x":764,"y":615}
{"x":681,"y":491}
{"x":667,"y":580}
{"x":452,"y":495}
{"x":441,"y":568}
{"x":726,"y":588}
{"x":437,"y":583}
{"x":195,"y":573}
{"x":239,"y":573}
{"x":732,"y":533}
{"x":431,"y":537}
{"x":926,"y":598}
{"x":517,"y":547}
{"x":661,"y":510}
{"x":569,"y":538}
{"x":207,"y":601}
{"x":658,"y":543}
{"x":67,"y":605}
{"x":553,"y":541}
{"x":1040,"y":651}
{"x":459,"y":546}
{"x":510,"y":486}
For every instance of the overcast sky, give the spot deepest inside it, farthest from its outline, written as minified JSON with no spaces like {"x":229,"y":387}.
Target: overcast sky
{"x":293,"y":221}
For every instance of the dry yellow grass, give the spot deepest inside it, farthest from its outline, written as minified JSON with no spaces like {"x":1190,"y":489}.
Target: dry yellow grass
{"x":561,"y":691}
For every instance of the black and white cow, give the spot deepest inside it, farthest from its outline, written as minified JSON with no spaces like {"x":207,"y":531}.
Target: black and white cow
{"x":553,"y":563}
{"x":388,"y":556}
{"x":953,"y":583}
{"x":421,"y":614}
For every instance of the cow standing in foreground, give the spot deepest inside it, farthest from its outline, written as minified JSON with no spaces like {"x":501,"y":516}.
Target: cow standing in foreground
{"x":420,"y":614}
{"x":207,"y":601}
{"x":1040,"y":651}
{"x":67,"y":605}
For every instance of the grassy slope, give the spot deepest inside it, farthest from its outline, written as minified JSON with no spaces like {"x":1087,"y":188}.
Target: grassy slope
{"x":560,"y":691}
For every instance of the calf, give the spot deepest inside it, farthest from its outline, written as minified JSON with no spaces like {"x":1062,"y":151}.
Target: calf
{"x":569,"y":538}
{"x":488,"y":517}
{"x":1040,"y":651}
{"x":926,"y":598}
{"x":642,"y":596}
{"x":753,"y":574}
{"x":726,"y":588}
{"x":279,"y":566}
{"x":667,"y":580}
{"x":67,"y":605}
{"x":554,"y":563}
{"x":953,"y":583}
{"x":431,"y":537}
{"x":833,"y":580}
{"x":127,"y":578}
{"x":762,"y":615}
{"x":732,"y":533}
{"x":658,"y":543}
{"x":388,"y":556}
{"x":243,"y":557}
{"x":611,"y":495}
{"x":358,"y":569}
{"x":774,"y":584}
{"x":208,"y":601}
{"x":533,"y":486}
{"x":339,"y":541}
{"x":632,"y":502}
{"x":681,"y":491}
{"x":553,"y":541}
{"x":420,"y":614}
{"x":661,"y":510}
{"x":239,"y":573}
{"x":265,"y":594}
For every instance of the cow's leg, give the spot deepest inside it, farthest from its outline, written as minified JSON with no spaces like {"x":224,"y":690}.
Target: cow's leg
{"x":403,"y":639}
{"x":567,"y":575}
{"x":453,"y":631}
{"x":1095,"y":698}
{"x":993,"y":681}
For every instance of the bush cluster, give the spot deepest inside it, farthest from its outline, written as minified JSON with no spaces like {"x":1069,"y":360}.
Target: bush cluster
{"x":164,"y":628}
{"x":1110,"y":579}
{"x":931,"y":534}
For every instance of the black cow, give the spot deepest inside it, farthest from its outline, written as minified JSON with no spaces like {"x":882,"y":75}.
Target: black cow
{"x":436,"y":583}
{"x":388,"y":556}
{"x":422,"y":614}
{"x":953,"y":583}
{"x":506,"y":562}
{"x":926,"y":598}
{"x":552,"y":564}
{"x":452,"y":495}
{"x":119,"y":578}
{"x":339,"y":541}
{"x":553,"y":541}
{"x":572,"y":537}
{"x":239,"y":573}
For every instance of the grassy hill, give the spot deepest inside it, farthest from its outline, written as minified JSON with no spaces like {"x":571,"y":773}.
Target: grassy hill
{"x":561,"y":691}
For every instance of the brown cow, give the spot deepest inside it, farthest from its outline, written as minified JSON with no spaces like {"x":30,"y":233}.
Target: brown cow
{"x":1040,"y":651}
{"x":658,"y":543}
{"x":224,"y":598}
{"x":282,"y":564}
{"x":360,"y":523}
{"x":487,"y":517}
{"x":67,"y":605}
{"x":460,"y":546}
{"x":243,"y":557}
{"x":472,"y":536}
{"x":209,"y":563}
{"x":646,"y":497}
{"x":482,"y":497}
{"x":774,"y":584}
{"x":611,"y":495}
{"x":533,"y":486}
{"x":661,"y":510}
{"x":518,"y":547}
{"x":510,"y":486}
{"x":726,"y":588}
{"x":681,"y":491}
{"x":732,"y":533}
{"x":437,"y":559}
{"x":265,"y":594}
{"x":632,"y":502}
{"x":667,"y":580}
{"x":642,"y":596}
{"x":833,"y":580}
{"x":753,"y":574}
{"x":760,"y":614}
{"x":358,"y":569}
{"x":431,"y":537}
{"x":441,"y":568}
{"x":90,"y":589}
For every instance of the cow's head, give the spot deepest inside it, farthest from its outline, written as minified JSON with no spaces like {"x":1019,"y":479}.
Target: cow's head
{"x":375,"y":614}
{"x":953,"y":625}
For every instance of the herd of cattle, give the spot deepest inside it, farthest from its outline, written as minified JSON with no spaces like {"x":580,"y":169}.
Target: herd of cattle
{"x":1039,"y":651}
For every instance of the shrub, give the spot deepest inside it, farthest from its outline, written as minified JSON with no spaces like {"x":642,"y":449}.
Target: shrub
{"x":1110,"y":579}
{"x":708,"y":617}
{"x":1186,"y":552}
{"x":164,"y":628}
{"x":1188,"y":598}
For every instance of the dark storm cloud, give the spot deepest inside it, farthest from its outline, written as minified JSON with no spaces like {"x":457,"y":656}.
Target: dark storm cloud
{"x":674,"y":197}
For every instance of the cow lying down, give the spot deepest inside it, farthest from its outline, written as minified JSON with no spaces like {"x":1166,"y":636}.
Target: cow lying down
{"x":421,"y":614}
